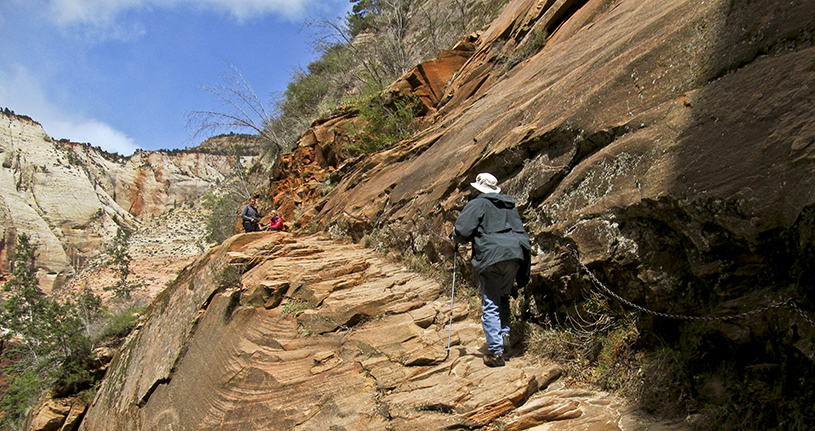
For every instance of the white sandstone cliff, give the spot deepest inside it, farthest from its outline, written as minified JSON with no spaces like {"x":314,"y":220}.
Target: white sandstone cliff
{"x":71,"y":198}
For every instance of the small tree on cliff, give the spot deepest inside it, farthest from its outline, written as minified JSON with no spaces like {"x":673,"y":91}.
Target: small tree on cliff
{"x":26,"y":300}
{"x":223,"y":208}
{"x":120,"y":259}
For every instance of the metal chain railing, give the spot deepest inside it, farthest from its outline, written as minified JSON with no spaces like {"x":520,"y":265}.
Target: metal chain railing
{"x":790,"y":302}
{"x":794,"y":306}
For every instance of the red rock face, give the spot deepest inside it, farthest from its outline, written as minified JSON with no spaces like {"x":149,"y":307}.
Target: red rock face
{"x":667,"y":143}
{"x":300,"y":177}
{"x":429,"y":80}
{"x":656,"y":112}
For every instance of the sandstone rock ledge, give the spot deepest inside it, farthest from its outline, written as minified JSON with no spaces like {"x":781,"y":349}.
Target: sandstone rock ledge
{"x":273,"y":332}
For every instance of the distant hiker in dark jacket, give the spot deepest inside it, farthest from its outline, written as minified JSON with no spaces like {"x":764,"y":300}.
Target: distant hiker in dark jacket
{"x":250,"y":217}
{"x":501,"y":255}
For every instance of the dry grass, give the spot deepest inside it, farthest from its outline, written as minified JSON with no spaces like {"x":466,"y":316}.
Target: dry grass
{"x":594,"y":345}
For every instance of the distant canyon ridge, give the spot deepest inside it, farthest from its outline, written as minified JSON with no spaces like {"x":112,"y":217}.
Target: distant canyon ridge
{"x":71,"y":198}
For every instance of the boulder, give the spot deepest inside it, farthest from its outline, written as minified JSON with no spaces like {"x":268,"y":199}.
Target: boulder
{"x":57,"y":414}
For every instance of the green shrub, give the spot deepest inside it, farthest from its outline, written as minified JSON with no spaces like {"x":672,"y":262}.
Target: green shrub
{"x":19,"y":398}
{"x":120,"y":260}
{"x":617,"y":365}
{"x":361,"y":17}
{"x":292,"y":308}
{"x":594,"y":344}
{"x":223,"y":211}
{"x":384,"y":124}
{"x":535,"y":42}
{"x":121,"y":323}
{"x":310,"y":89}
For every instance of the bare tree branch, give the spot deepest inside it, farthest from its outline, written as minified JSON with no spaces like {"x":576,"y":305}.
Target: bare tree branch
{"x":243,"y":109}
{"x":339,"y":33}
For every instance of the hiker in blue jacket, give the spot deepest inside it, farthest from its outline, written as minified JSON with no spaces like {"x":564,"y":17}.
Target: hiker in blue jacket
{"x":501,"y":255}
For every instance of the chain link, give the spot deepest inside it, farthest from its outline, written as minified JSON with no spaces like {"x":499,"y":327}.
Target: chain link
{"x":794,"y":305}
{"x":789,"y":302}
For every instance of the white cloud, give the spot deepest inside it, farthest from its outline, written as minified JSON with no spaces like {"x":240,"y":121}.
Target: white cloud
{"x":243,"y":9}
{"x":22,"y":93}
{"x":93,"y":132}
{"x":104,"y":12}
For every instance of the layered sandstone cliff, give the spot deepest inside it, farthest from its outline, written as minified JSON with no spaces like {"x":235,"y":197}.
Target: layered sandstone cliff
{"x":272,"y":332}
{"x":666,"y":144}
{"x":71,"y":198}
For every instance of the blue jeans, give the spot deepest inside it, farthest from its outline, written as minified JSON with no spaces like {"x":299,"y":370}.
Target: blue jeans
{"x":495,"y":283}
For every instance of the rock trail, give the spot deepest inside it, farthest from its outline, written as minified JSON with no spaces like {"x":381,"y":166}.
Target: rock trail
{"x":319,"y":334}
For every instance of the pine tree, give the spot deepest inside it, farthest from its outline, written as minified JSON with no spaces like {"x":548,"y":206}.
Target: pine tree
{"x":46,"y":342}
{"x":22,"y":312}
{"x":361,"y":17}
{"x":120,"y":259}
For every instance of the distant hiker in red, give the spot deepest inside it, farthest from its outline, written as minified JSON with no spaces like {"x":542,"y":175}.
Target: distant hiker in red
{"x":276,"y":223}
{"x":250,"y":217}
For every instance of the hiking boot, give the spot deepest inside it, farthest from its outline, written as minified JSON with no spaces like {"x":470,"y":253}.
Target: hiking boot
{"x":506,"y":346}
{"x":491,"y":360}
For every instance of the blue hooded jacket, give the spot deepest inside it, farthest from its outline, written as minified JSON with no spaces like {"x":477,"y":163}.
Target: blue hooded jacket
{"x":491,"y":221}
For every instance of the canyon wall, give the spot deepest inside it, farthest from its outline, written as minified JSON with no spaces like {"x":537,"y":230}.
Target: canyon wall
{"x":668,"y":143}
{"x":665,"y":146}
{"x":71,"y":198}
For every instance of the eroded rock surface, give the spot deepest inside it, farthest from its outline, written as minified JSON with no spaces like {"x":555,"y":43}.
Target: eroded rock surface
{"x":71,"y":198}
{"x":355,"y":343}
{"x":57,"y":414}
{"x":667,"y":144}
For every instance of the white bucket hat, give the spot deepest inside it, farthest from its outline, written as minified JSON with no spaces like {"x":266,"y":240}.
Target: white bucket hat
{"x":486,"y":183}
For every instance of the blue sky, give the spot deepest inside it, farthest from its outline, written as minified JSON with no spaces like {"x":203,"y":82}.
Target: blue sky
{"x":124,"y":74}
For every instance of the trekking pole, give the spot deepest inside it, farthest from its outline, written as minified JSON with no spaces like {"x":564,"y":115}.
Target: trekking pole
{"x":452,"y":296}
